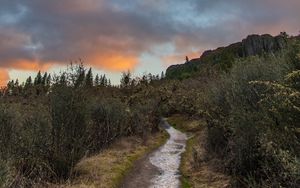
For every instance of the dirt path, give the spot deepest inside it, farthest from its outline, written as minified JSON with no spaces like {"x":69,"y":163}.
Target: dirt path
{"x":141,"y":174}
{"x":159,"y":169}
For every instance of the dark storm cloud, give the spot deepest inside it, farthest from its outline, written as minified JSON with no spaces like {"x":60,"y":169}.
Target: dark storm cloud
{"x":113,"y":34}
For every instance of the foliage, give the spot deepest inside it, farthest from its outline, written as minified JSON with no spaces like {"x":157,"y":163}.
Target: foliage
{"x":251,"y":109}
{"x":48,"y":126}
{"x":252,"y":121}
{"x":250,"y":106}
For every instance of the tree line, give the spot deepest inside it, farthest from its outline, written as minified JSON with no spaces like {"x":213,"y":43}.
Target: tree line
{"x":48,"y":123}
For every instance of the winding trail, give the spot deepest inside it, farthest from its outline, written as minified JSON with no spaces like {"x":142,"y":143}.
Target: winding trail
{"x":159,"y":169}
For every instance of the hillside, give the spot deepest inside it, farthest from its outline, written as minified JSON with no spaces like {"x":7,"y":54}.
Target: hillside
{"x":247,"y":98}
{"x":238,"y":105}
{"x":224,"y":56}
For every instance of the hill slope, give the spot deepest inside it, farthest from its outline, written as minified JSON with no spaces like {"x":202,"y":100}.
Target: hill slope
{"x":224,"y":56}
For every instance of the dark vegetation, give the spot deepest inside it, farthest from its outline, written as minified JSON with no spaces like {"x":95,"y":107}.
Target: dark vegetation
{"x":248,"y":95}
{"x":49,"y":124}
{"x":222,"y":58}
{"x":251,"y":110}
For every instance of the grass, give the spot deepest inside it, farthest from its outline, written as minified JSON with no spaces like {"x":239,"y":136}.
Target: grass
{"x":184,"y":123}
{"x":197,"y":169}
{"x":185,"y":183}
{"x":109,"y":167}
{"x":184,"y":165}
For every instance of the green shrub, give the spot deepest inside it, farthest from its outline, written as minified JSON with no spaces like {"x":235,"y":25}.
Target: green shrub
{"x":44,"y":134}
{"x":109,"y":122}
{"x":252,"y":115}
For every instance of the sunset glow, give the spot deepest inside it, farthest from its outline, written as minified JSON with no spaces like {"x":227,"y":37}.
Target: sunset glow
{"x":28,"y":65}
{"x":113,"y":36}
{"x":114,"y":62}
{"x":3,"y":77}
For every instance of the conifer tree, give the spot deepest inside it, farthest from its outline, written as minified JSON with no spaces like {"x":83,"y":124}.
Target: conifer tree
{"x":16,"y":88}
{"x":44,"y":79}
{"x":187,"y":59}
{"x":17,"y":83}
{"x":38,"y":79}
{"x":80,"y":76}
{"x":103,"y":80}
{"x":10,"y":87}
{"x":89,"y":78}
{"x":97,"y":80}
{"x":28,"y":82}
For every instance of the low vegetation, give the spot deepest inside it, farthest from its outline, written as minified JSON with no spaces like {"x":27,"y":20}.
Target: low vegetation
{"x":198,"y":168}
{"x":49,"y":125}
{"x":108,"y":168}
{"x":242,"y":107}
{"x":252,"y":116}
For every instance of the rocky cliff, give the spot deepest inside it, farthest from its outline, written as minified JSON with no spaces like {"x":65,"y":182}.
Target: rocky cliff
{"x":224,"y":56}
{"x":256,"y":44}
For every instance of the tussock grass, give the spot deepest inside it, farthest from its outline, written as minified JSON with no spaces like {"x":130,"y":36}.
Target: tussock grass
{"x":197,"y":168}
{"x":109,"y":167}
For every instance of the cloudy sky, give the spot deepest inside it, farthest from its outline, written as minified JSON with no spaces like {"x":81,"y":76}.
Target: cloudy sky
{"x":117,"y":35}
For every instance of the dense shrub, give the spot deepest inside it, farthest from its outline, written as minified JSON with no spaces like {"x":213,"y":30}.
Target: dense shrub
{"x":109,"y":122}
{"x":252,"y":116}
{"x":44,"y":134}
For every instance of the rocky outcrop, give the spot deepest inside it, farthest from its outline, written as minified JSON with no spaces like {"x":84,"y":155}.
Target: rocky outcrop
{"x":257,"y":45}
{"x":251,"y":46}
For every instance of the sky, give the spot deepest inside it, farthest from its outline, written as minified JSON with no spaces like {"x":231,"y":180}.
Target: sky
{"x":143,"y":36}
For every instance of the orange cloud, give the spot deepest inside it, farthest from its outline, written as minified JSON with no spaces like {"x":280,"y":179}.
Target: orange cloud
{"x":179,"y":58}
{"x":110,"y":62}
{"x":23,"y":64}
{"x":4,"y":77}
{"x":114,"y":62}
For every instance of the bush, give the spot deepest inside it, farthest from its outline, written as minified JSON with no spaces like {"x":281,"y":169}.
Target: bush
{"x":252,"y":115}
{"x":7,"y":127}
{"x":109,"y":122}
{"x":68,"y":109}
{"x":43,"y":136}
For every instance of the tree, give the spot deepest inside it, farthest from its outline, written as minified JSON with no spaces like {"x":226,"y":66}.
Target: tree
{"x":28,"y":82}
{"x":10,"y":87}
{"x":38,"y":79}
{"x":284,"y":34}
{"x":17,"y":83}
{"x":69,"y":123}
{"x":44,"y":79}
{"x":103,"y":81}
{"x":17,"y":88}
{"x":97,"y":80}
{"x":89,"y":78}
{"x":187,"y":59}
{"x":126,"y":79}
{"x":80,"y":76}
